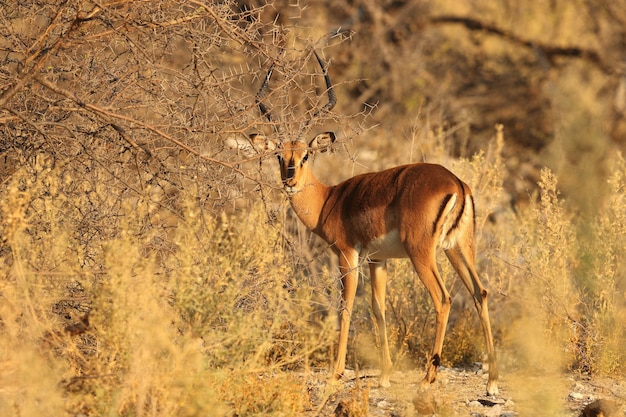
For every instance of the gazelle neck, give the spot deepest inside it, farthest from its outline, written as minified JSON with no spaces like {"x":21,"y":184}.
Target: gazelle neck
{"x":309,"y":201}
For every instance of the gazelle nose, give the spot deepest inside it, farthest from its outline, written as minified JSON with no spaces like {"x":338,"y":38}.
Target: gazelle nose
{"x":289,"y":182}
{"x":290,"y":189}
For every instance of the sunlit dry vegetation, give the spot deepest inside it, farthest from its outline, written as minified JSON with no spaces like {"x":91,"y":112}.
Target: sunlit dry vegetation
{"x":147,"y":269}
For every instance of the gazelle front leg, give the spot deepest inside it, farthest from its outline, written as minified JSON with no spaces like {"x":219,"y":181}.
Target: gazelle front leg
{"x":378,"y":278}
{"x":348,"y":263}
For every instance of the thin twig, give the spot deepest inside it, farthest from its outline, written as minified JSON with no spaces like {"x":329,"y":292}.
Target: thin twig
{"x":109,"y":114}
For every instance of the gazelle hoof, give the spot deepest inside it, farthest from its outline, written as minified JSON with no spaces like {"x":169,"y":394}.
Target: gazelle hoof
{"x":492,"y":388}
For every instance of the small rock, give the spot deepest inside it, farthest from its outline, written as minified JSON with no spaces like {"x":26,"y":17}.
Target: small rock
{"x":491,"y":403}
{"x":474,"y":403}
{"x":576,"y":396}
{"x":383,"y":404}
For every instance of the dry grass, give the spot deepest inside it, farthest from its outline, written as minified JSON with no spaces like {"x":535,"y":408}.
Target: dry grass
{"x":221,"y":328}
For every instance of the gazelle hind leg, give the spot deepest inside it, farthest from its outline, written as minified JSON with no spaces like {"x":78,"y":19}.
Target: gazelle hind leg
{"x":462,"y":259}
{"x":426,"y":269}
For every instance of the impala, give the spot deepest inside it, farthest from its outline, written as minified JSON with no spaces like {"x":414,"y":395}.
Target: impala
{"x":403,"y":212}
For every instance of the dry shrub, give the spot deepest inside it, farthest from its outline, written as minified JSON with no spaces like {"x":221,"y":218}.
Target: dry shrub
{"x":565,"y":291}
{"x":220,"y":329}
{"x":355,"y":402}
{"x":600,"y":277}
{"x":574,"y":282}
{"x":248,"y":393}
{"x":465,"y":344}
{"x":242,"y":295}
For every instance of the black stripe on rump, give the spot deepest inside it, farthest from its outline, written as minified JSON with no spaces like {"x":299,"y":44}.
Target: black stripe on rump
{"x":460,"y":215}
{"x":442,"y":207}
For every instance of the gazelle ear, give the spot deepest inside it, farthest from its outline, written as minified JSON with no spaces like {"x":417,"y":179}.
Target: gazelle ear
{"x":252,"y":145}
{"x":262,"y":143}
{"x":322,"y":141}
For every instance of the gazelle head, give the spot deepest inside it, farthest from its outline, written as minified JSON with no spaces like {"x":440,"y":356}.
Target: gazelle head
{"x":293,"y":157}
{"x":294,"y":160}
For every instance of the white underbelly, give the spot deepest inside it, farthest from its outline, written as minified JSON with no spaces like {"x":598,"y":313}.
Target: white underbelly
{"x":385,"y":246}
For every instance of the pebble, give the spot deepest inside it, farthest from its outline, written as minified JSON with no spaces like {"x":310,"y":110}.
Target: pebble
{"x":383,"y":404}
{"x":577,"y":396}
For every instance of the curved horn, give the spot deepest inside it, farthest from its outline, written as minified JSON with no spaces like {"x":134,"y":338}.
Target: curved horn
{"x":332,"y":98}
{"x":265,"y":111}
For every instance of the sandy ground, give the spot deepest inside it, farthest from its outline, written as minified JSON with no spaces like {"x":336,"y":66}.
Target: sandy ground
{"x":461,"y":392}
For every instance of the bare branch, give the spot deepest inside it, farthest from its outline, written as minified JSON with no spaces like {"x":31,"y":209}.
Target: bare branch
{"x":109,"y":114}
{"x":550,"y":52}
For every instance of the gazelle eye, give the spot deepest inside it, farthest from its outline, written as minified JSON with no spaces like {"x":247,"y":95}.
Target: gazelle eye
{"x":305,"y":158}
